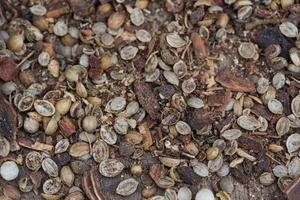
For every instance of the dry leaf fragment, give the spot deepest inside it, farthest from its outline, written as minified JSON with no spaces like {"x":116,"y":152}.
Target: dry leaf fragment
{"x":232,"y":81}
{"x":200,"y":48}
{"x":145,"y":131}
{"x":8,"y":119}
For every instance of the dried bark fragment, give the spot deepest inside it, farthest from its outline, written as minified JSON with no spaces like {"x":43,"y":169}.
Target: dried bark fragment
{"x":8,"y":68}
{"x":249,"y":143}
{"x":240,"y":175}
{"x":292,"y":191}
{"x":219,"y":98}
{"x":284,"y":98}
{"x":95,"y":70}
{"x":147,"y":99}
{"x":8,"y":119}
{"x":229,"y":79}
{"x":29,"y":143}
{"x":57,"y":8}
{"x":200,"y":47}
{"x":199,"y":118}
{"x":263,"y":165}
{"x":145,"y":131}
{"x":66,"y":126}
{"x":188,"y":176}
{"x":82,"y":8}
{"x":156,"y":171}
{"x":260,"y":110}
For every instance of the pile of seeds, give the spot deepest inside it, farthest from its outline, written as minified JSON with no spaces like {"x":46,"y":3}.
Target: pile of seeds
{"x":141,"y":99}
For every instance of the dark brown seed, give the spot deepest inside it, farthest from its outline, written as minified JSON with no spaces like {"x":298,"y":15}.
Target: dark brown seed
{"x":229,"y":79}
{"x":147,"y":99}
{"x":8,"y":69}
{"x":188,"y":176}
{"x":8,"y":119}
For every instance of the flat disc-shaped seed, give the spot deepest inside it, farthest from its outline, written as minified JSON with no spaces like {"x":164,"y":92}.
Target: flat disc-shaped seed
{"x":60,"y":28}
{"x":50,"y":167}
{"x":79,"y":149}
{"x":205,"y":194}
{"x":249,"y":123}
{"x":195,"y":102}
{"x":216,"y":164}
{"x":183,"y":128}
{"x":137,"y":17}
{"x":121,"y":125}
{"x":169,"y":162}
{"x":184,"y":193}
{"x":295,"y":56}
{"x":143,"y":35}
{"x":288,"y":29}
{"x":282,"y":126}
{"x":180,"y":69}
{"x":189,"y":85}
{"x":247,"y":50}
{"x":111,"y":167}
{"x":52,"y":186}
{"x":108,"y":135}
{"x":100,"y":151}
{"x":294,"y":167}
{"x":127,"y":187}
{"x":128,"y":52}
{"x":278,"y":80}
{"x":38,"y":10}
{"x":293,"y":143}
{"x":262,"y":85}
{"x":170,"y":194}
{"x":44,"y":107}
{"x":61,"y":146}
{"x":4,"y":147}
{"x":295,"y":106}
{"x":171,"y":77}
{"x":275,"y":106}
{"x":33,"y":160}
{"x":118,"y":103}
{"x":231,"y":134}
{"x":174,"y":40}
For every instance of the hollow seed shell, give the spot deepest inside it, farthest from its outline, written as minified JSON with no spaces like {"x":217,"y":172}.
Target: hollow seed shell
{"x":249,"y":123}
{"x":100,"y":151}
{"x":295,"y":106}
{"x":201,"y":169}
{"x":282,"y":126}
{"x":184,"y":193}
{"x":128,"y":52}
{"x":247,"y":50}
{"x":288,"y":29}
{"x":174,"y":40}
{"x":44,"y":107}
{"x":293,"y":143}
{"x":231,"y":134}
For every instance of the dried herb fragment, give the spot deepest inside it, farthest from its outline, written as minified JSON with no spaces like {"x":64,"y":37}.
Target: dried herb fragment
{"x":8,"y":68}
{"x":240,"y":175}
{"x":66,"y":126}
{"x":199,"y":118}
{"x":147,"y":99}
{"x":292,"y":191}
{"x":145,"y":131}
{"x":200,"y":47}
{"x":82,"y":8}
{"x":8,"y":119}
{"x":188,"y":175}
{"x":229,"y":79}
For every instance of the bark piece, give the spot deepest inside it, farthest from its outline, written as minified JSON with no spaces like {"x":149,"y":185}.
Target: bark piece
{"x":8,"y":119}
{"x":293,"y":190}
{"x":200,"y":47}
{"x":188,"y":175}
{"x":8,"y":68}
{"x":199,"y":118}
{"x":145,"y":131}
{"x":147,"y":99}
{"x":66,"y":126}
{"x":229,"y":79}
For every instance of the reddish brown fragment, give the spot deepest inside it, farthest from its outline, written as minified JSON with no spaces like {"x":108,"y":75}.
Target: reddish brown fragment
{"x":31,"y":144}
{"x":219,"y":98}
{"x":145,"y":131}
{"x":8,"y":119}
{"x":239,"y":175}
{"x":82,"y":8}
{"x":200,"y":47}
{"x":292,"y":191}
{"x":147,"y":99}
{"x":249,"y":143}
{"x":8,"y":69}
{"x":260,"y":110}
{"x":57,"y":8}
{"x":199,"y":118}
{"x":96,"y":185}
{"x":95,"y":70}
{"x":156,"y":172}
{"x":87,"y":187}
{"x":66,"y":126}
{"x":229,"y":79}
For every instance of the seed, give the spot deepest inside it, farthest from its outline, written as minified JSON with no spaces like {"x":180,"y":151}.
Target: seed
{"x":216,"y":164}
{"x":111,"y":167}
{"x":295,"y":106}
{"x":127,"y":187}
{"x":60,"y":28}
{"x":293,"y":143}
{"x":4,"y":147}
{"x":89,"y":124}
{"x":136,"y":170}
{"x":44,"y":107}
{"x":278,"y":80}
{"x":137,"y":17}
{"x":244,"y":12}
{"x":52,"y":186}
{"x":184,"y":193}
{"x":195,"y":102}
{"x":116,"y":20}
{"x":248,"y":122}
{"x":205,"y":194}
{"x":188,"y":86}
{"x":81,"y":90}
{"x":201,"y":169}
{"x":67,"y":176}
{"x":282,"y":126}
{"x":288,"y":29}
{"x":50,"y":167}
{"x":280,"y":171}
{"x":99,"y":28}
{"x":108,"y":135}
{"x":295,"y":56}
{"x":61,"y":146}
{"x":38,"y":10}
{"x":15,"y":42}
{"x":275,"y":106}
{"x":63,"y":106}
{"x":231,"y":134}
{"x":294,"y":167}
{"x":33,"y":160}
{"x":79,"y":149}
{"x":128,"y":52}
{"x":212,"y":153}
{"x":170,"y":194}
{"x":121,"y":125}
{"x":174,"y":40}
{"x":247,"y":50}
{"x":143,"y":35}
{"x":275,"y":148}
{"x":180,"y":69}
{"x":183,"y":128}
{"x":31,"y":125}
{"x":171,"y":77}
{"x":100,"y":151}
{"x":9,"y":170}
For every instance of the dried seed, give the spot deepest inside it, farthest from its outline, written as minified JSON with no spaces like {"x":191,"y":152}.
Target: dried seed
{"x":275,"y":106}
{"x":171,"y":77}
{"x":38,"y":10}
{"x":247,"y":50}
{"x":231,"y":134}
{"x":174,"y":40}
{"x":108,"y":135}
{"x":201,"y":169}
{"x":60,"y":28}
{"x":205,"y":194}
{"x":245,"y":12}
{"x":278,"y":80}
{"x":31,"y":125}
{"x":127,"y":187}
{"x":50,"y":167}
{"x":288,"y":29}
{"x":294,"y":167}
{"x":183,"y":128}
{"x":189,"y":85}
{"x":199,"y":45}
{"x":169,"y":162}
{"x":52,"y":186}
{"x":226,"y":184}
{"x":236,"y":162}
{"x":212,"y":153}
{"x":116,"y":20}
{"x":249,"y":123}
{"x":143,"y":35}
{"x":262,"y":85}
{"x":170,"y":194}
{"x":216,"y":164}
{"x":280,"y":171}
{"x":44,"y":107}
{"x":293,"y":143}
{"x":79,"y":149}
{"x":61,"y":146}
{"x":282,"y":126}
{"x":128,"y":52}
{"x":137,"y":17}
{"x":33,"y":160}
{"x":266,"y":179}
{"x":63,"y":106}
{"x":295,"y":106}
{"x":67,"y":176}
{"x":111,"y":167}
{"x":165,"y":182}
{"x":100,"y":151}
{"x":295,"y":56}
{"x":4,"y":147}
{"x":9,"y":170}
